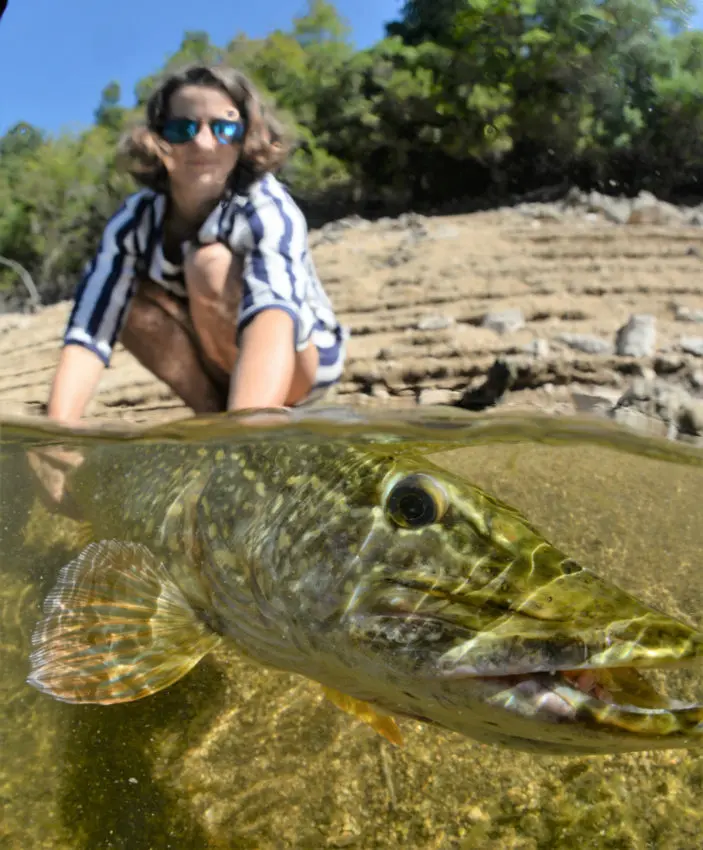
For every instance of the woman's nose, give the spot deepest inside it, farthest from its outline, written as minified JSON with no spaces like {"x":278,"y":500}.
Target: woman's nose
{"x":205,"y":138}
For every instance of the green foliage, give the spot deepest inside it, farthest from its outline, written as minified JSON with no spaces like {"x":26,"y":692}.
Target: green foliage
{"x":427,"y":20}
{"x":109,"y":113}
{"x":321,"y":25}
{"x":20,"y":140}
{"x":60,"y":198}
{"x":461,"y":96}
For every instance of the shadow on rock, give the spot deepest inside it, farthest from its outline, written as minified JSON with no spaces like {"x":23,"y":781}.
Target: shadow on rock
{"x":500,"y":379}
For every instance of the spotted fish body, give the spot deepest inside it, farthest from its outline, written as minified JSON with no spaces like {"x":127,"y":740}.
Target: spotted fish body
{"x":359,"y":564}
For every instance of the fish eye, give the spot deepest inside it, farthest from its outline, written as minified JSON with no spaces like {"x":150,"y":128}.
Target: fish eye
{"x":415,"y":501}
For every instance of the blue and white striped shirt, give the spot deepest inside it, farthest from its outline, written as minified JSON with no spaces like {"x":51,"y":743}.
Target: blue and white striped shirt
{"x":265,"y":227}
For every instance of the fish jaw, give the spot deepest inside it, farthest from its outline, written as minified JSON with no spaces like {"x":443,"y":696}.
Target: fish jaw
{"x":549,"y":715}
{"x":552,"y":714}
{"x":550,"y":706}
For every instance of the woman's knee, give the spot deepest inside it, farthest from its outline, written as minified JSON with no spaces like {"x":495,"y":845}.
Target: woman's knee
{"x":207,"y":269}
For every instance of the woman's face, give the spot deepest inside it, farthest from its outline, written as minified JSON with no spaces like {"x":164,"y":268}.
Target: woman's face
{"x":202,"y":164}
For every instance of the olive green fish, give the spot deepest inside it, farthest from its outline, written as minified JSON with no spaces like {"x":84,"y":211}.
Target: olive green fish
{"x":345,"y":555}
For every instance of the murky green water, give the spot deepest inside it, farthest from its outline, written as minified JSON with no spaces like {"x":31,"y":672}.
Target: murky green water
{"x":236,"y":756}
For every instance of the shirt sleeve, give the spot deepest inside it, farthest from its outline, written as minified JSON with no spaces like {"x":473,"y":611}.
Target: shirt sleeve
{"x":107,"y":286}
{"x":274,"y":274}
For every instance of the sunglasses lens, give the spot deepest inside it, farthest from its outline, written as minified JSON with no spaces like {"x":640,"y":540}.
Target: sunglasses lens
{"x":227,"y":132}
{"x":180,"y":130}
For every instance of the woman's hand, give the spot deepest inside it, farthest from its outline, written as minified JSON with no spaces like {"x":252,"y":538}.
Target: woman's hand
{"x":51,"y":465}
{"x":76,"y":377}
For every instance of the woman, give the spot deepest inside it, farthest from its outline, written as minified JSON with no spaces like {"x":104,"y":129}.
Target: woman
{"x":204,"y":274}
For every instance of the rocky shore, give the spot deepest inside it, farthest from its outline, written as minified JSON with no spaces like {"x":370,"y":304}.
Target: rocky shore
{"x":589,"y":304}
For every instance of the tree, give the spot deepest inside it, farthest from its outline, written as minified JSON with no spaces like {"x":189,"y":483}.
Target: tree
{"x":320,"y":25}
{"x":109,"y":113}
{"x":20,"y":140}
{"x":426,"y":20}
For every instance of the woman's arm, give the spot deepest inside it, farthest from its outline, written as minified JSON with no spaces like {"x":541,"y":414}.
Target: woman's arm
{"x":263,"y":372}
{"x":102,"y":301}
{"x":274,"y":366}
{"x":76,"y":378}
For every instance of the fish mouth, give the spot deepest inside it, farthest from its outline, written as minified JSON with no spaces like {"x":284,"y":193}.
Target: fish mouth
{"x":504,"y":664}
{"x":510,"y":645}
{"x":566,"y":692}
{"x":619,"y":701}
{"x":573,"y":649}
{"x":552,"y":682}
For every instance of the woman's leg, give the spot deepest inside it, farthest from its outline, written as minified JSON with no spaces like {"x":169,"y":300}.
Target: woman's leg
{"x":214,"y":282}
{"x":159,"y":333}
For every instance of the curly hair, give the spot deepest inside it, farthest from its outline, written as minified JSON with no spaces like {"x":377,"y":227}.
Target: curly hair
{"x":264,"y":148}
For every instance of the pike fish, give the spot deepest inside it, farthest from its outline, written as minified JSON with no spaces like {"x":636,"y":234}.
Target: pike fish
{"x":351,"y":559}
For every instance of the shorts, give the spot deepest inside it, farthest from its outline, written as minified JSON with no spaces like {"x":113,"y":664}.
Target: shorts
{"x":332,"y":349}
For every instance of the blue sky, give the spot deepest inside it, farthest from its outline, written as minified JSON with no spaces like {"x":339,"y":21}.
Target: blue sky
{"x":57,"y":55}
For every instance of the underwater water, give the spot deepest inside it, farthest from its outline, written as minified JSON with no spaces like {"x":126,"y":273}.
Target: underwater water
{"x":239,"y":756}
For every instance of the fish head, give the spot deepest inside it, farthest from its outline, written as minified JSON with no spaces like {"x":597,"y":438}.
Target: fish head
{"x":462,"y":613}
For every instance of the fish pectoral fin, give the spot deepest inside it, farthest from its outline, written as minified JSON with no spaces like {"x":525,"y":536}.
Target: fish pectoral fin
{"x":116,"y":627}
{"x":383,"y":724}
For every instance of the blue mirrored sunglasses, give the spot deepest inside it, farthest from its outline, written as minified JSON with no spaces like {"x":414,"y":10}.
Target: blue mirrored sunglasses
{"x":178,"y":131}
